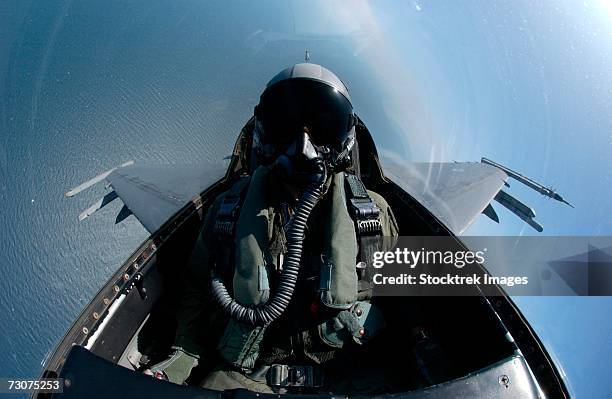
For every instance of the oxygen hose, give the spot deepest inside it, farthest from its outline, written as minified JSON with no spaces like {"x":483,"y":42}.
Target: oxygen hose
{"x":271,"y":310}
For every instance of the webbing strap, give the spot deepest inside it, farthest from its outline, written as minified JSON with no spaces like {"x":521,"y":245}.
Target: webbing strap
{"x":363,"y":209}
{"x":356,"y":187}
{"x":282,"y":375}
{"x":229,"y":209}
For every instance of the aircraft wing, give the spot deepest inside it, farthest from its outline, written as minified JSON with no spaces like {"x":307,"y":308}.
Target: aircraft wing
{"x":456,"y":193}
{"x":152,"y":193}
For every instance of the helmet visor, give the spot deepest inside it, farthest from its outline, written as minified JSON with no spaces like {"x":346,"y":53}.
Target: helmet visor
{"x":287,"y":107}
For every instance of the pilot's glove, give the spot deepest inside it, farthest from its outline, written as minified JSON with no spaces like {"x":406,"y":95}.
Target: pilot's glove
{"x":176,"y":368}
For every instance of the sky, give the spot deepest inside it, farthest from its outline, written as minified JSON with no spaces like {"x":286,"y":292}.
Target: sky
{"x":527,"y":84}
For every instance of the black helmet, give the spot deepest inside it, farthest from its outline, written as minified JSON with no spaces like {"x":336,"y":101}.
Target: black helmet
{"x":305,"y":99}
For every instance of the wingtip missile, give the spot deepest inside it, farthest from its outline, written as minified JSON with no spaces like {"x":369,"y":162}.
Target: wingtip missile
{"x":559,"y":198}
{"x":545,"y":191}
{"x":101,"y":203}
{"x":81,"y":187}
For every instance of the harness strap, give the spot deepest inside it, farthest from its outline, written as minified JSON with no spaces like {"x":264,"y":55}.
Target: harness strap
{"x":224,"y":225}
{"x":282,"y":375}
{"x":366,"y":215}
{"x":363,"y":209}
{"x":229,"y":209}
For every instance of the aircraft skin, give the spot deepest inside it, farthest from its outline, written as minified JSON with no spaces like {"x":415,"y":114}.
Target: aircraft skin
{"x":170,"y":201}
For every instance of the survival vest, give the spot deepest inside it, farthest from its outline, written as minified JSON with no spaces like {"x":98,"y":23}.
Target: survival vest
{"x":249,"y":238}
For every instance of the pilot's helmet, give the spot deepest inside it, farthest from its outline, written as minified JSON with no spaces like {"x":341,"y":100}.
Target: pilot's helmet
{"x":305,"y":100}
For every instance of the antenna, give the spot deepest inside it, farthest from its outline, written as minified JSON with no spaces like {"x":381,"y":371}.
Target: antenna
{"x":307,"y":56}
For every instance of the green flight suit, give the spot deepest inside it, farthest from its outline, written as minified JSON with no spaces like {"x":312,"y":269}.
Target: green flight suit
{"x":201,"y":325}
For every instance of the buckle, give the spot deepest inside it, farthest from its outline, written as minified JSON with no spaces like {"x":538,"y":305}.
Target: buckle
{"x":224,"y":227}
{"x":227,"y":215}
{"x":282,"y":375}
{"x":370,"y":226}
{"x":364,"y":209}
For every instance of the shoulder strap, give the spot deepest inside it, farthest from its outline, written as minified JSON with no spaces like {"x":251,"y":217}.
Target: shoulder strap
{"x":224,"y":226}
{"x":366,"y":215}
{"x":362,"y":207}
{"x":229,"y":209}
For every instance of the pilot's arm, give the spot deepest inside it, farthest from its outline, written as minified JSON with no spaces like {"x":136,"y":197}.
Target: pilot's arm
{"x":193,"y":315}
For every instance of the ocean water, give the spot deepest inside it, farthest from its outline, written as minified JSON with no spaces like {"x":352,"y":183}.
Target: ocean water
{"x":88,"y":85}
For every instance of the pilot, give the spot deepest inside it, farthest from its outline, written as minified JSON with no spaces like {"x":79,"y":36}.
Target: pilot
{"x":275,"y":299}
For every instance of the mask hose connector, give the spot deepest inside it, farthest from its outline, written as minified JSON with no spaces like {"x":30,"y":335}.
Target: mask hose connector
{"x":271,"y":310}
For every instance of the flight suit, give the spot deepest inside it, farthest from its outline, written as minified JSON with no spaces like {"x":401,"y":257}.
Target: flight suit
{"x":298,"y":337}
